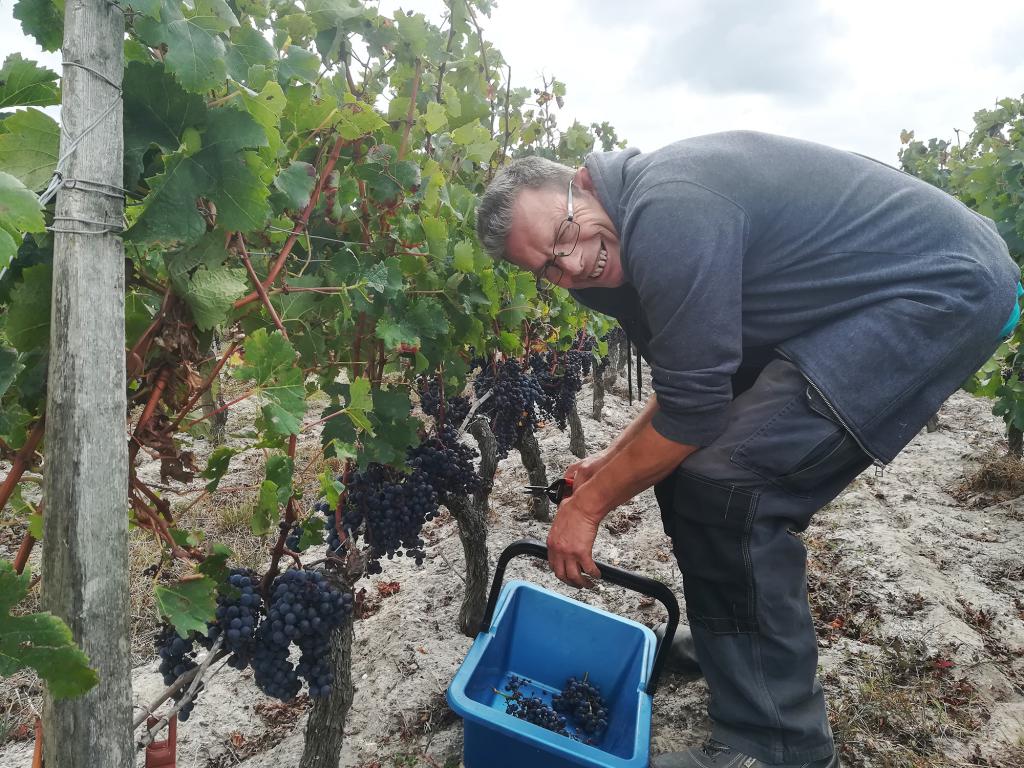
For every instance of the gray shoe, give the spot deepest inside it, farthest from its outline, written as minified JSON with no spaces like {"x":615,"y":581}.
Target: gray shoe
{"x":682,"y":655}
{"x":717,"y":755}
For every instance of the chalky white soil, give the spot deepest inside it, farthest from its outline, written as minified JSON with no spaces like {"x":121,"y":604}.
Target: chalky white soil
{"x":898,"y":540}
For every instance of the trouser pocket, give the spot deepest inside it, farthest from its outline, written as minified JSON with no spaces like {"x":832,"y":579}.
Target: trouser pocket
{"x":709,"y":523}
{"x":800,"y":447}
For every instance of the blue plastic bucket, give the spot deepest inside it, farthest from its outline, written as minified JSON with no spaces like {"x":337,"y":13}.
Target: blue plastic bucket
{"x":534,"y":633}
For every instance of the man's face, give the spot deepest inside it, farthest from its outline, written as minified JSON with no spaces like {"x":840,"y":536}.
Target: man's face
{"x":537,"y":218}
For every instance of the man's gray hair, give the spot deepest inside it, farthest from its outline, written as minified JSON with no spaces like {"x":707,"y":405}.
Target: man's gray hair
{"x":494,"y":213}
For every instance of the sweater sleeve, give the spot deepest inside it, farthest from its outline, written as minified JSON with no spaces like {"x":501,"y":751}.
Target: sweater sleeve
{"x":684,"y":247}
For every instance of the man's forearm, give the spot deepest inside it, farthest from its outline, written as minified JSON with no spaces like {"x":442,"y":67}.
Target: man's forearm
{"x":641,"y":462}
{"x":635,"y":427}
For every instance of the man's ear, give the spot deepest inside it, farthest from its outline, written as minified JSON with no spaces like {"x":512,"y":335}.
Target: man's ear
{"x":583,"y":180}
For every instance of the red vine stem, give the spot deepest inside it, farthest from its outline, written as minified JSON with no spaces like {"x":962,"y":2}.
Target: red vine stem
{"x":27,"y":542}
{"x":21,"y":462}
{"x":161,"y":504}
{"x":205,"y":385}
{"x":137,"y":353}
{"x":158,"y":390}
{"x":259,"y":286}
{"x":300,"y":225}
{"x":223,"y":408}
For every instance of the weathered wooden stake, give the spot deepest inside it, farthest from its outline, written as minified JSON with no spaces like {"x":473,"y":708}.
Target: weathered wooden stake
{"x":85,"y":554}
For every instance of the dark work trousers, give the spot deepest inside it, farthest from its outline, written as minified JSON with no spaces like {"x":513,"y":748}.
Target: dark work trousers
{"x":731,"y":509}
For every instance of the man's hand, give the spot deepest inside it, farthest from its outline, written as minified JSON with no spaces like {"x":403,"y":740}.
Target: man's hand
{"x":581,"y":471}
{"x":571,"y":543}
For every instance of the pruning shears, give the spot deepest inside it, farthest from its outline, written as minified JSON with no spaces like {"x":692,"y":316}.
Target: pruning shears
{"x":556,"y":492}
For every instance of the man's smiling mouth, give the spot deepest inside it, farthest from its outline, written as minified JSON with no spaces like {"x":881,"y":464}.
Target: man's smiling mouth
{"x":602,"y":261}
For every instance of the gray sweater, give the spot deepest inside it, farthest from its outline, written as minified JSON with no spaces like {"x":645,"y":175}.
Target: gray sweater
{"x":885,"y":291}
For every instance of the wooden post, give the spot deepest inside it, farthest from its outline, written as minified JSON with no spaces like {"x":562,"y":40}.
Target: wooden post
{"x":85,"y":555}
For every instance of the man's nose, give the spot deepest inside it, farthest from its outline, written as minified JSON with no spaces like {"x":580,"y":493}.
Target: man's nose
{"x":573,"y":263}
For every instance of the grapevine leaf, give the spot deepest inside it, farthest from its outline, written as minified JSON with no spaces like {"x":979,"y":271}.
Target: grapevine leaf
{"x":188,"y":604}
{"x":35,"y":526}
{"x":26,"y":84}
{"x":240,"y":193}
{"x":211,"y":295}
{"x":29,"y":140}
{"x":40,"y":641}
{"x":196,"y":55}
{"x":298,"y":64}
{"x":394,"y":333}
{"x":217,"y":466}
{"x":360,"y":420}
{"x":170,"y":214}
{"x":331,"y":13}
{"x":157,"y":110}
{"x":463,"y":259}
{"x":43,"y":20}
{"x":477,"y":141}
{"x":216,"y":564}
{"x":330,"y":488}
{"x":436,"y":117}
{"x":28,"y":314}
{"x":427,"y":316}
{"x":149,"y":8}
{"x":392,"y":404}
{"x":266,"y":509}
{"x":279,"y":471}
{"x":8,"y":248}
{"x":248,"y":48}
{"x":312,"y":533}
{"x":359,"y":395}
{"x":20,"y":210}
{"x":270,"y":361}
{"x":10,"y":367}
{"x":437,"y":236}
{"x":356,"y":119}
{"x":297,"y":182}
{"x":266,"y":108}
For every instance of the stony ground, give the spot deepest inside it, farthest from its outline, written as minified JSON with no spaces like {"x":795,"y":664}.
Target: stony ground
{"x":917,"y":586}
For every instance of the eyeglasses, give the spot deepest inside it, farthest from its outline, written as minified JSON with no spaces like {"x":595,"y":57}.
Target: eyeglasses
{"x":566,"y":238}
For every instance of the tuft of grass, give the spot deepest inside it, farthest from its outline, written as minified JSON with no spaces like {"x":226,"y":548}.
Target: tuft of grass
{"x":999,"y":478}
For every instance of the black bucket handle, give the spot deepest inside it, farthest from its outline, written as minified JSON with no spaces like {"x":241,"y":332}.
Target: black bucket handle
{"x":609,"y":573}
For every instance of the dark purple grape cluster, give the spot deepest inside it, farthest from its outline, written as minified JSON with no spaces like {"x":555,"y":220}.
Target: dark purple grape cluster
{"x":581,"y":700}
{"x":455,"y":407}
{"x":238,"y":613}
{"x":447,"y":462}
{"x":177,"y":656}
{"x":388,"y":509}
{"x":560,"y":376}
{"x":532,"y":708}
{"x":304,"y":609}
{"x":512,"y":406}
{"x":586,"y":343}
{"x":294,"y":540}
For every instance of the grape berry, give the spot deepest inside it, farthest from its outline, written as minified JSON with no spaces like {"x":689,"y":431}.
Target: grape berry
{"x":579,"y":706}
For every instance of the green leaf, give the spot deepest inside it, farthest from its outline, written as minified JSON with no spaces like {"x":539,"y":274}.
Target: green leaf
{"x":436,"y":117}
{"x":280,"y":470}
{"x":8,"y":248}
{"x":28,"y":314}
{"x":359,"y":395}
{"x":26,"y":84}
{"x":356,"y":119}
{"x":266,"y":511}
{"x":437,"y":236}
{"x":298,"y":64}
{"x":211,"y":295}
{"x":220,"y":171}
{"x":312,"y":533}
{"x":270,"y":361}
{"x":157,"y":110}
{"x":35,"y":526}
{"x":297,"y":182}
{"x":249,"y":48}
{"x":10,"y":367}
{"x":396,"y":332}
{"x":43,"y":20}
{"x":477,"y":141}
{"x":463,"y":260}
{"x":39,"y":641}
{"x":330,"y":488}
{"x":216,"y":564}
{"x":188,"y":604}
{"x":217,"y":466}
{"x":196,"y":54}
{"x":266,"y":107}
{"x":29,"y":141}
{"x":20,"y":210}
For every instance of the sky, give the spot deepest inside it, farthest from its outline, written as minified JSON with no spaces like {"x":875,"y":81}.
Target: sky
{"x":852,"y":75}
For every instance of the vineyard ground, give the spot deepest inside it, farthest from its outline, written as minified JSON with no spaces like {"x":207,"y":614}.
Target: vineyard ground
{"x":917,"y":586}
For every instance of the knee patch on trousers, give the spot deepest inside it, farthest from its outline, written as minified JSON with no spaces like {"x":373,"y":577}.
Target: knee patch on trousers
{"x":710,"y":523}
